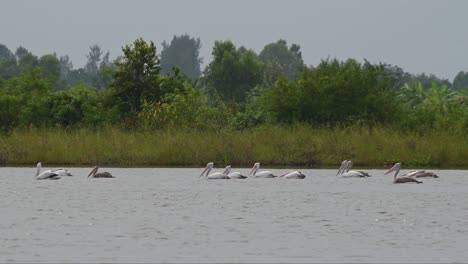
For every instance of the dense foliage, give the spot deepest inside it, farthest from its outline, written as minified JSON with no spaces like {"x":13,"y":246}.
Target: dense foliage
{"x":238,"y":89}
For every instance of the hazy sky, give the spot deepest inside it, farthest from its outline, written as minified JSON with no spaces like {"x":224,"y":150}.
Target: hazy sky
{"x":419,"y":36}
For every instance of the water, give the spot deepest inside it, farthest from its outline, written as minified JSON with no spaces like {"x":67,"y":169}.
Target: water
{"x":171,"y":215}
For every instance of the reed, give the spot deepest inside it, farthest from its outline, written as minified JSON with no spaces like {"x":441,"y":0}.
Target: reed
{"x":300,"y":145}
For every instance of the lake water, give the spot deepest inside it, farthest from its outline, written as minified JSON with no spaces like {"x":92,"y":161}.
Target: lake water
{"x":172,"y":215}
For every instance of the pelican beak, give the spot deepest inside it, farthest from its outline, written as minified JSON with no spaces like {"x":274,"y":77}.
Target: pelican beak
{"x":203,"y":171}
{"x":251,"y":171}
{"x":339,"y":170}
{"x":391,"y":169}
{"x":92,"y":171}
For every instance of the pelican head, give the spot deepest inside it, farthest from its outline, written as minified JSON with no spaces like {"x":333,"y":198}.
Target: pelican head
{"x":342,"y":168}
{"x":227,"y":170}
{"x":207,"y":169}
{"x":93,"y":171}
{"x":255,"y":168}
{"x":301,"y":175}
{"x":349,"y":165}
{"x":38,"y":166}
{"x":395,"y":168}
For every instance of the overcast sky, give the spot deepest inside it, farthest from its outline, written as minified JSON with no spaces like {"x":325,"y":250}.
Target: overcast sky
{"x":419,"y":36}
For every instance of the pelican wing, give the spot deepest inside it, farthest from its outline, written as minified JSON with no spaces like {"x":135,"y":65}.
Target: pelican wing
{"x":352,"y":174}
{"x":406,"y":180}
{"x":294,"y":175}
{"x":412,"y":173}
{"x":104,"y":174}
{"x":62,"y":172}
{"x":48,"y":174}
{"x":236,"y":175}
{"x":264,"y":174}
{"x":217,"y":176}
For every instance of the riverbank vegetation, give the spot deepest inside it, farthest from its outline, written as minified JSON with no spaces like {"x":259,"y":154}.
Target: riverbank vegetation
{"x":299,"y":144}
{"x":243,"y":107}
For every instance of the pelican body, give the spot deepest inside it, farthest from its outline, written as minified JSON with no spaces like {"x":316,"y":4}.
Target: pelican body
{"x":47,"y":174}
{"x":233,"y":175}
{"x":62,"y":172}
{"x":421,"y":174}
{"x":403,"y":178}
{"x":214,"y":175}
{"x":262,"y":174}
{"x":293,"y":175}
{"x":95,"y":174}
{"x":345,"y":172}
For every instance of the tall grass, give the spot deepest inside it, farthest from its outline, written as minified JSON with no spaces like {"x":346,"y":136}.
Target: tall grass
{"x":270,"y":145}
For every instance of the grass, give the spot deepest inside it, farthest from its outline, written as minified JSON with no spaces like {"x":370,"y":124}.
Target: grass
{"x":300,"y":145}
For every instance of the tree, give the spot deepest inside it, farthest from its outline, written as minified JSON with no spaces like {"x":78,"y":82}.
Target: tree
{"x":5,"y":53}
{"x":461,"y":81}
{"x":396,"y":75}
{"x":183,"y":52}
{"x":50,"y":66}
{"x":94,"y":57}
{"x":334,"y":92}
{"x":21,"y":51}
{"x":8,"y":67}
{"x":66,"y":67}
{"x":233,"y":72}
{"x":137,"y":76}
{"x":279,"y":59}
{"x":427,"y":80}
{"x":27,"y":61}
{"x":93,"y":69}
{"x":105,"y":61}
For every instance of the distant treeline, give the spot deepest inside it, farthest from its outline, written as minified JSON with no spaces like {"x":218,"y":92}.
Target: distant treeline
{"x":238,"y":89}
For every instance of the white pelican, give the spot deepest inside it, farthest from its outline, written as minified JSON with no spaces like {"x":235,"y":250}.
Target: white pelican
{"x":63,"y":172}
{"x":233,"y":175}
{"x":293,"y":175}
{"x":342,"y":168}
{"x":346,"y":173}
{"x":96,"y":174}
{"x":400,"y":179}
{"x":362,"y":173}
{"x":214,"y":175}
{"x":46,"y":175}
{"x":421,"y":174}
{"x":59,"y":172}
{"x":261,"y":174}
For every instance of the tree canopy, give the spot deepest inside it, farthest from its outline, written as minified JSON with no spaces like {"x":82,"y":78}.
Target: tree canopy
{"x":184,"y":53}
{"x":238,"y":89}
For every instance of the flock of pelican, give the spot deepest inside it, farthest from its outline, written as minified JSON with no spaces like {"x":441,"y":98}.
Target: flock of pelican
{"x":59,"y":173}
{"x":344,"y":171}
{"x":227,"y":174}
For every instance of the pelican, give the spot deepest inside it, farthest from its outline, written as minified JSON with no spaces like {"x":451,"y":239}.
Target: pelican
{"x":342,"y":168}
{"x":421,"y":174}
{"x":96,"y":174}
{"x":214,"y":175}
{"x":346,"y":173}
{"x":293,"y":175}
{"x":403,"y":178}
{"x":59,"y":172}
{"x":46,"y":175}
{"x":262,"y":174}
{"x":62,"y":172}
{"x":233,"y":175}
{"x":362,"y":173}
